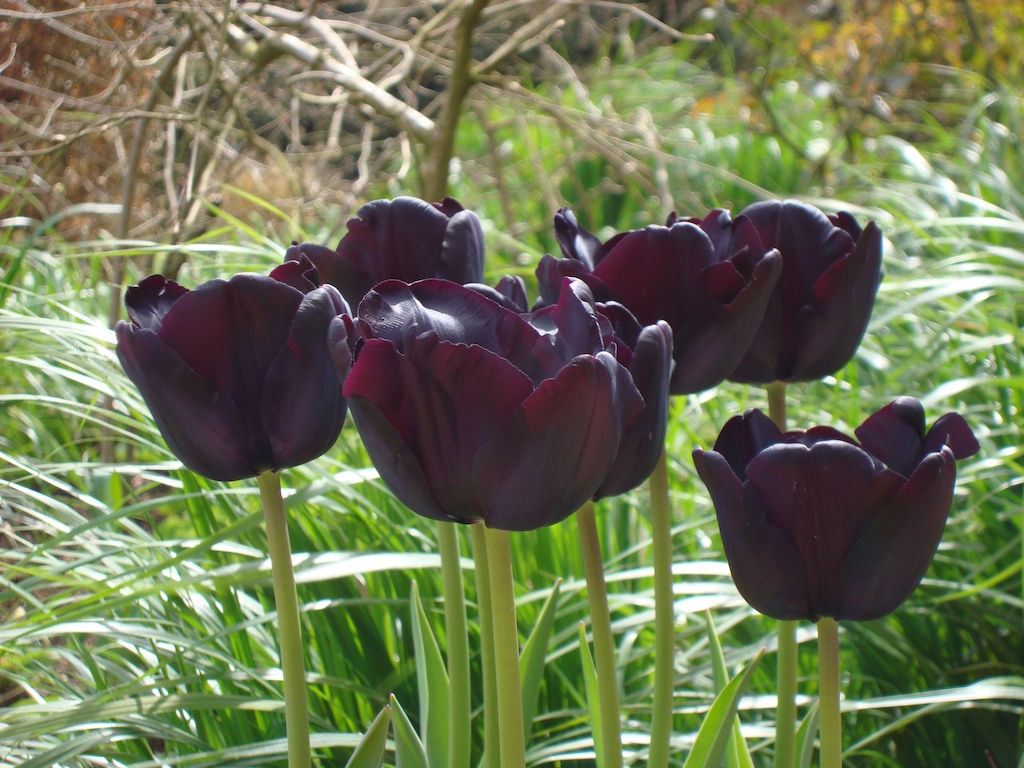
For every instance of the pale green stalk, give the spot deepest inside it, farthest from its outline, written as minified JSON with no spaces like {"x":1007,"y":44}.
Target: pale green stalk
{"x":459,"y":731}
{"x":506,"y":650}
{"x":664,"y":617}
{"x":492,"y":754}
{"x":604,"y":642}
{"x":831,"y":730}
{"x":785,"y":715}
{"x":296,"y":708}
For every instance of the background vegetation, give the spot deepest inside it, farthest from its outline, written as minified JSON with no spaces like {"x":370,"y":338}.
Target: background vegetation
{"x":136,"y":619}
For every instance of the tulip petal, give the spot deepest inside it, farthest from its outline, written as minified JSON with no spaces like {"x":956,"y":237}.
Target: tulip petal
{"x":302,"y":409}
{"x":444,"y":400}
{"x":895,"y":434}
{"x":576,"y":242}
{"x":643,"y":438}
{"x":712,"y":342}
{"x":821,"y":497}
{"x":150,"y":300}
{"x":831,"y":328}
{"x":458,"y":315}
{"x":656,"y":271}
{"x":395,"y":461}
{"x":743,"y":437}
{"x":552,"y":272}
{"x":462,"y":250}
{"x":230,"y":330}
{"x":547,"y":458}
{"x":766,"y":566}
{"x":200,"y":422}
{"x":952,"y":430}
{"x":891,"y":554}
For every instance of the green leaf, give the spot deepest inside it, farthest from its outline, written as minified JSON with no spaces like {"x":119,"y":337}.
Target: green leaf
{"x":713,"y":736}
{"x":370,"y":752}
{"x":432,"y":681}
{"x":593,"y":696}
{"x":737,"y":755}
{"x":409,"y":751}
{"x":531,"y":660}
{"x":805,"y":737}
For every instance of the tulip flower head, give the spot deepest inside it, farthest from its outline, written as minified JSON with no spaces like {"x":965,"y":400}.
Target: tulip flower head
{"x":471,"y":412}
{"x":817,"y":524}
{"x":819,"y":310}
{"x":236,"y":372}
{"x":710,"y":279}
{"x":401,"y":239}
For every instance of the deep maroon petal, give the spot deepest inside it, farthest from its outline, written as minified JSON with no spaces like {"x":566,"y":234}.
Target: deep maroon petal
{"x":712,"y":342}
{"x":200,"y":422}
{"x":552,"y":272}
{"x":743,"y":437}
{"x":822,"y":498}
{"x":643,"y":438}
{"x":895,"y":434}
{"x":568,"y":328}
{"x":952,"y":430}
{"x":456,"y":313}
{"x":548,"y":457}
{"x":231,"y":330}
{"x":444,"y":401}
{"x":576,"y":242}
{"x":302,"y":410}
{"x":395,"y":461}
{"x":150,"y":300}
{"x":510,"y":292}
{"x":462,"y":250}
{"x":892,"y":552}
{"x":765,"y":565}
{"x":831,"y":326}
{"x":298,"y":272}
{"x":656,"y":272}
{"x":334,"y":269}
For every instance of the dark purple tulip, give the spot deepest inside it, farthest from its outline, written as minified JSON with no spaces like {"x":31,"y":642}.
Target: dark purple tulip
{"x":821,"y":305}
{"x":816,"y":524}
{"x":402,"y":239}
{"x":710,"y":279}
{"x":237,"y":373}
{"x":472,"y":413}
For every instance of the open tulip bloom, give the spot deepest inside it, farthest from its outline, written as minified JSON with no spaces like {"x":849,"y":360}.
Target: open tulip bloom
{"x":471,"y":412}
{"x":401,"y":239}
{"x":236,"y":372}
{"x":817,"y":524}
{"x":710,"y":279}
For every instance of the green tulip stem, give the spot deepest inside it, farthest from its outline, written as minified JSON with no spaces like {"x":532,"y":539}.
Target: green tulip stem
{"x":296,"y":708}
{"x":508,"y":686}
{"x":604,"y":642}
{"x":481,"y":569}
{"x":459,"y":743}
{"x":785,"y":712}
{"x":785,"y":689}
{"x":664,"y":617}
{"x":831,"y":733}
